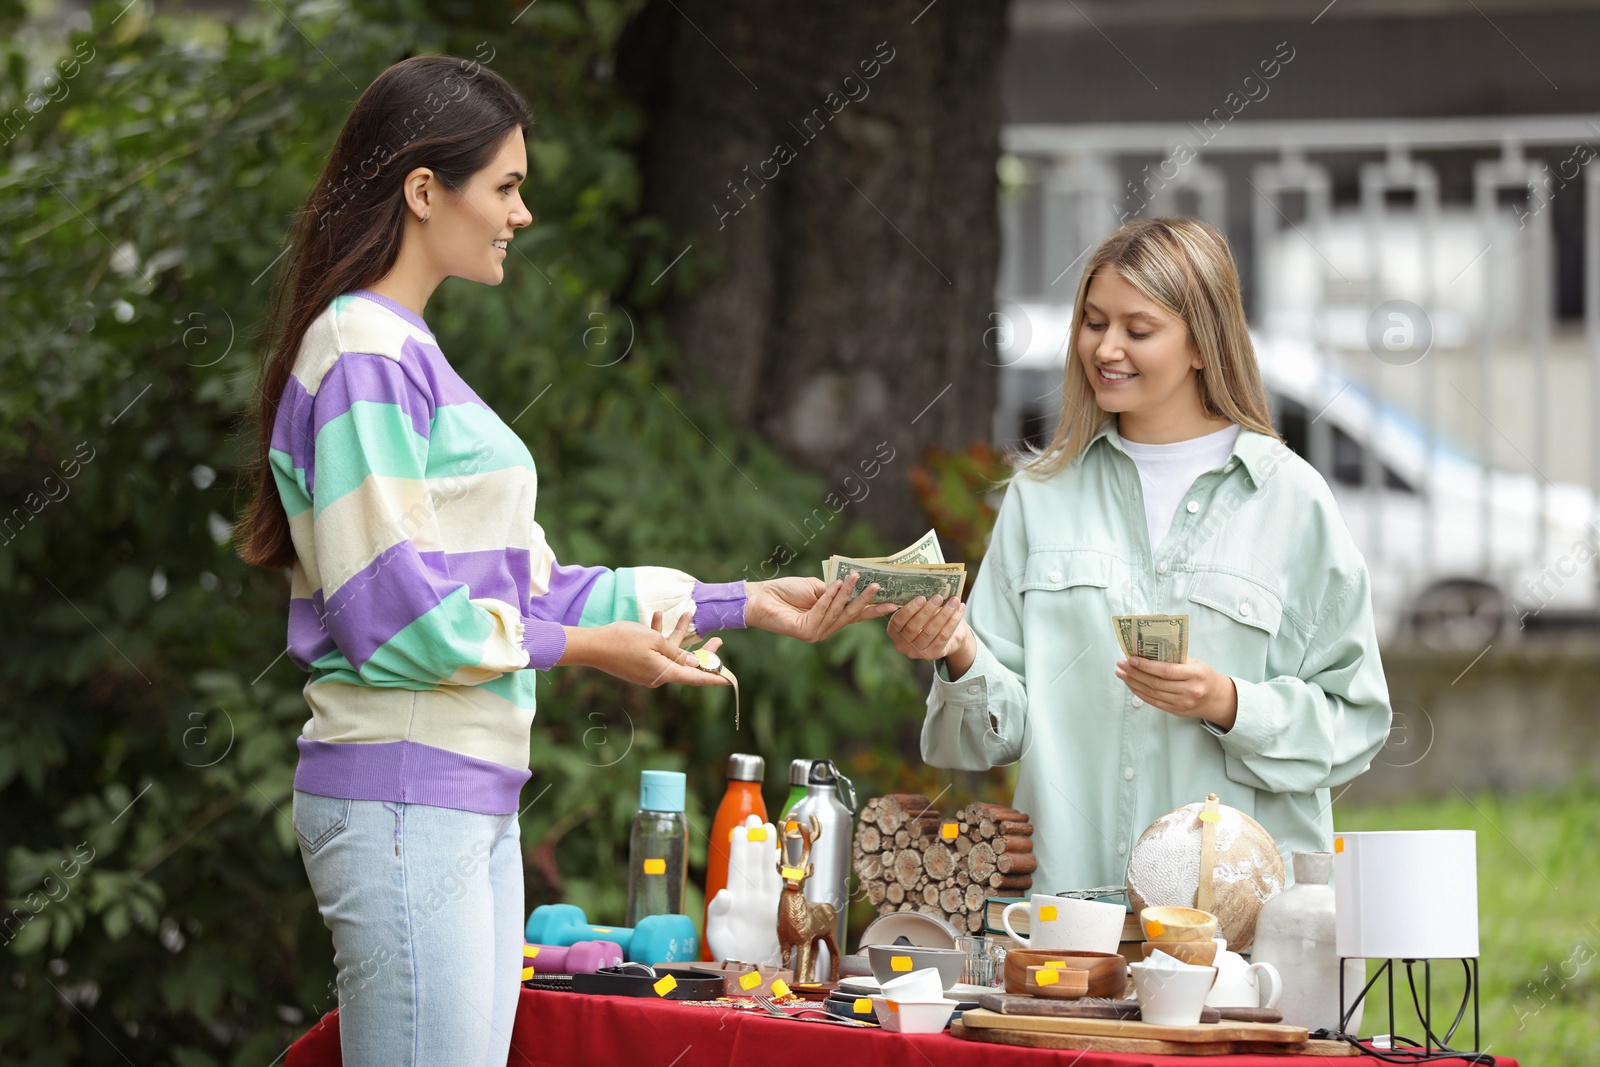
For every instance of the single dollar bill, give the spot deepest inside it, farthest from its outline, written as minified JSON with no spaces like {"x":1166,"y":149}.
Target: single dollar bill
{"x":1164,"y":638}
{"x":924,"y":550}
{"x":903,"y":584}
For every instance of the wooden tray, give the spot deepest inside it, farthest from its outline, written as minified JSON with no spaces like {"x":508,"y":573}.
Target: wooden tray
{"x":1093,"y":974}
{"x":1200,"y":1033}
{"x":1080,"y":1042}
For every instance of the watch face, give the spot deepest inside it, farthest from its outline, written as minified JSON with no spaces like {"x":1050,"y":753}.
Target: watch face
{"x":708,"y":660}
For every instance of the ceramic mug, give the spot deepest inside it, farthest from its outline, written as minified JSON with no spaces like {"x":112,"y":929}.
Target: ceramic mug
{"x":1172,"y":997}
{"x":1067,"y":923}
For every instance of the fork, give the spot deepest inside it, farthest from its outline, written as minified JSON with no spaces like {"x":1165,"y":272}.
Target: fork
{"x":772,"y":1007}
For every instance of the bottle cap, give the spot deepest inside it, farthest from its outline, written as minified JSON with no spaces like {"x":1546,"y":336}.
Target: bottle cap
{"x":662,"y":790}
{"x":743,"y":767}
{"x":799,"y":771}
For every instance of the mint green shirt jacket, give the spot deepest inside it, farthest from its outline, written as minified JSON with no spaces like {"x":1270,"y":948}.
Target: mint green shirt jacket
{"x":1278,"y":598}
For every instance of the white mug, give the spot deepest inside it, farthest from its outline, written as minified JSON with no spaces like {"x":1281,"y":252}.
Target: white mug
{"x":1067,"y":924}
{"x":1171,"y":997}
{"x":1241,"y":984}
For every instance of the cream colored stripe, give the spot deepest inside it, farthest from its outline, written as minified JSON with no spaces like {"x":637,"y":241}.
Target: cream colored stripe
{"x":464,"y":719}
{"x":664,"y":590}
{"x":302,"y":534}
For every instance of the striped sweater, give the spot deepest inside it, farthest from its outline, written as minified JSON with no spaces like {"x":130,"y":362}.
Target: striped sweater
{"x":423,"y":586}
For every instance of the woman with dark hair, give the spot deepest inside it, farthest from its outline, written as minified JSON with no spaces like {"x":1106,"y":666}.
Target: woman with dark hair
{"x":422,"y":588}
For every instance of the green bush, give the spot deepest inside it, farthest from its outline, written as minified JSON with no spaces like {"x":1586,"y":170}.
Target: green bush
{"x":156,"y":908}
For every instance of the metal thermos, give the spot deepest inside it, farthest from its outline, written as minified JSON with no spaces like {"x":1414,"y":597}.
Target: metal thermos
{"x":830,"y":856}
{"x":799,"y":779}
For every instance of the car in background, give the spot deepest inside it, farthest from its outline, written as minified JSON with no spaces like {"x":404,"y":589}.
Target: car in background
{"x":1461,"y":554}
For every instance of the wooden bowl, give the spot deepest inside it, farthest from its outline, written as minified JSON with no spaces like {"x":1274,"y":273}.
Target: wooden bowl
{"x":1104,"y":974}
{"x":1198,"y":953}
{"x":1178,"y":924}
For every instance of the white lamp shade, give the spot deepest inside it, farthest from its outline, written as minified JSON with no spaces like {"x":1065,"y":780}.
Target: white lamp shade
{"x":1406,"y":894}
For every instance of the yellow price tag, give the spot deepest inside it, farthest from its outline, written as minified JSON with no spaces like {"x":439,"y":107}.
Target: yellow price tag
{"x":750,"y":981}
{"x":1054,"y":963}
{"x":793,"y":874}
{"x":665,"y":986}
{"x":1338,"y":844}
{"x":893,"y":1006}
{"x":1154,"y":928}
{"x":602,"y":929}
{"x":1047,"y":913}
{"x":757,"y":833}
{"x":791,"y":827}
{"x":900,"y":963}
{"x":950,"y":831}
{"x":530,"y":951}
{"x":780,"y":988}
{"x":527,"y":973}
{"x":1211,"y":816}
{"x":862,"y":1005}
{"x":1046,"y":976}
{"x":655,"y":866}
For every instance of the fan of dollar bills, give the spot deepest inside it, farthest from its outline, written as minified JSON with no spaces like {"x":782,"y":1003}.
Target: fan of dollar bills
{"x":917,"y":570}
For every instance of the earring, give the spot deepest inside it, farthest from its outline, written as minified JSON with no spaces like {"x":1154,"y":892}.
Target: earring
{"x":425,"y":215}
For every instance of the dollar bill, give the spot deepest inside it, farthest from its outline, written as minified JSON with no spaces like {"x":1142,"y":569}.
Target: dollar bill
{"x":917,"y":570}
{"x":1164,"y":638}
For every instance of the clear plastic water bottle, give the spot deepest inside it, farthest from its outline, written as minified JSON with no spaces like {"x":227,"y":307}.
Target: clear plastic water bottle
{"x":658,"y":848}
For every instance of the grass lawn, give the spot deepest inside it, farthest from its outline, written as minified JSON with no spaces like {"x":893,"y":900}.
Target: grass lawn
{"x":1539,"y":921}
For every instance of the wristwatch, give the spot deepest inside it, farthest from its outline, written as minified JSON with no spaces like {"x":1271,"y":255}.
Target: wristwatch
{"x":711,"y":663}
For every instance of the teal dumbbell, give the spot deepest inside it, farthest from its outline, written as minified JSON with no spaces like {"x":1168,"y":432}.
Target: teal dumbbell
{"x":657,"y":938}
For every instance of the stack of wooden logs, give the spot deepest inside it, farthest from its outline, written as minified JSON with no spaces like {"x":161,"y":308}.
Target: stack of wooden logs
{"x":909,"y":857}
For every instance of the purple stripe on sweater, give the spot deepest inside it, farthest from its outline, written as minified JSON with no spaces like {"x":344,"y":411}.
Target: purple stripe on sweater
{"x":385,"y":597}
{"x":545,"y":641}
{"x":291,"y":429}
{"x":362,"y":376}
{"x":428,"y":365}
{"x":719,"y":606}
{"x":405,"y":772}
{"x":567,"y":592}
{"x":500,"y":573}
{"x":309,"y":639}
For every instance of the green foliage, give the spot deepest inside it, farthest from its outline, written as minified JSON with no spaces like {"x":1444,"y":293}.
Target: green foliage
{"x":155,"y":907}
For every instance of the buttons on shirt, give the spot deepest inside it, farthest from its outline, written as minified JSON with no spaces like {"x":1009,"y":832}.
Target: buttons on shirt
{"x":1122,"y":848}
{"x":1161,"y":568}
{"x":1127,"y":774}
{"x":1244,"y":609}
{"x":1055,"y":576}
{"x":1138,"y":703}
{"x":1231,"y":464}
{"x":973,"y":689}
{"x":1192,"y":506}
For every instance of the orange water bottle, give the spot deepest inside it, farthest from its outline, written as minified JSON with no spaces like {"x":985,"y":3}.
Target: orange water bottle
{"x":742,"y":798}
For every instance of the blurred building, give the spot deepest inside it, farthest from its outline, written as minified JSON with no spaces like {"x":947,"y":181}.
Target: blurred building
{"x":1407,"y":191}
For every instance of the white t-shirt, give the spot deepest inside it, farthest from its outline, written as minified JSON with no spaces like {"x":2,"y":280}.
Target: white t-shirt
{"x":1167,"y":471}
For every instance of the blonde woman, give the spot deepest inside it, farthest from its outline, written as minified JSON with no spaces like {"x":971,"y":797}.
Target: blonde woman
{"x":1164,"y":490}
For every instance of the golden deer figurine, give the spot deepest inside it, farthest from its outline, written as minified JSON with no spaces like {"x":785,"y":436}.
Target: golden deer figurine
{"x":801,"y":924}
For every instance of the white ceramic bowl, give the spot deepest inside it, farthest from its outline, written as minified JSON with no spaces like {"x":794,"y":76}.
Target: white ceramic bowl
{"x":913,"y":1016}
{"x":929,"y":931}
{"x":892,"y":962}
{"x":922,"y":984}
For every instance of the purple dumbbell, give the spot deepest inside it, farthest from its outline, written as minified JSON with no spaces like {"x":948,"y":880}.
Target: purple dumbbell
{"x":581,"y":957}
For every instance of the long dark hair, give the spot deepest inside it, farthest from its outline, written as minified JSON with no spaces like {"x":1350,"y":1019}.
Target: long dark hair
{"x":449,"y":115}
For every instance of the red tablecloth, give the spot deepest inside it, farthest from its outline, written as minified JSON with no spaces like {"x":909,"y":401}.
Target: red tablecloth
{"x":568,"y":1030}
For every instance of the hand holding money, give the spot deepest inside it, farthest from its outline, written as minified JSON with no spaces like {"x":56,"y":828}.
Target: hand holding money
{"x":806,"y":608}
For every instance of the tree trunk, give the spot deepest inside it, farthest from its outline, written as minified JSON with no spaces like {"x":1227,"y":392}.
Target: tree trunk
{"x":831,"y":169}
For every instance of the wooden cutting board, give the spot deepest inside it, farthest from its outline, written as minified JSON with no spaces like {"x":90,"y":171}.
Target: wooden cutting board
{"x":1080,"y":1042}
{"x":1201,"y":1033}
{"x":1106,"y":1008}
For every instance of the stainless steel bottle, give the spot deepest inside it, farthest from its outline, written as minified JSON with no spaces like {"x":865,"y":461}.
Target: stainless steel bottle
{"x":830,"y":856}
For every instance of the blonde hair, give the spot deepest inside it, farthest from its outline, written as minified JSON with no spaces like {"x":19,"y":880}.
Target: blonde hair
{"x":1186,"y":267}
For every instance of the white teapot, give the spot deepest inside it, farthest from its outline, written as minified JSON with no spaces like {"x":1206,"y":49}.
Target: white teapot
{"x":1243,"y":985}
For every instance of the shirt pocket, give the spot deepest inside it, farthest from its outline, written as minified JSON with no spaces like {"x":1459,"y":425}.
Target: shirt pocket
{"x":1057,"y":571}
{"x":1236,"y":623}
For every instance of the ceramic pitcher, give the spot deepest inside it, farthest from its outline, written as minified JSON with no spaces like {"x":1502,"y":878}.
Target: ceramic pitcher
{"x":1294,"y":933}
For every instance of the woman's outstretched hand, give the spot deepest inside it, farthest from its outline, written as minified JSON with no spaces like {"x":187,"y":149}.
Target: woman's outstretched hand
{"x":640,"y":654}
{"x":808,"y":609}
{"x":935,"y":629}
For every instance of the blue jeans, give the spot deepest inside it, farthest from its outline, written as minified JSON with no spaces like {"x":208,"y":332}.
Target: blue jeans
{"x":425,"y":908}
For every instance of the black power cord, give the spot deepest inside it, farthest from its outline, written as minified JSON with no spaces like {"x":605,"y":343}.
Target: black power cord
{"x":1413,"y":1052}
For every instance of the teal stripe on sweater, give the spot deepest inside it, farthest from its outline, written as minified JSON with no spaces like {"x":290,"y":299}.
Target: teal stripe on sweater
{"x":467,"y":439}
{"x":611,"y":599}
{"x":371,"y":438}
